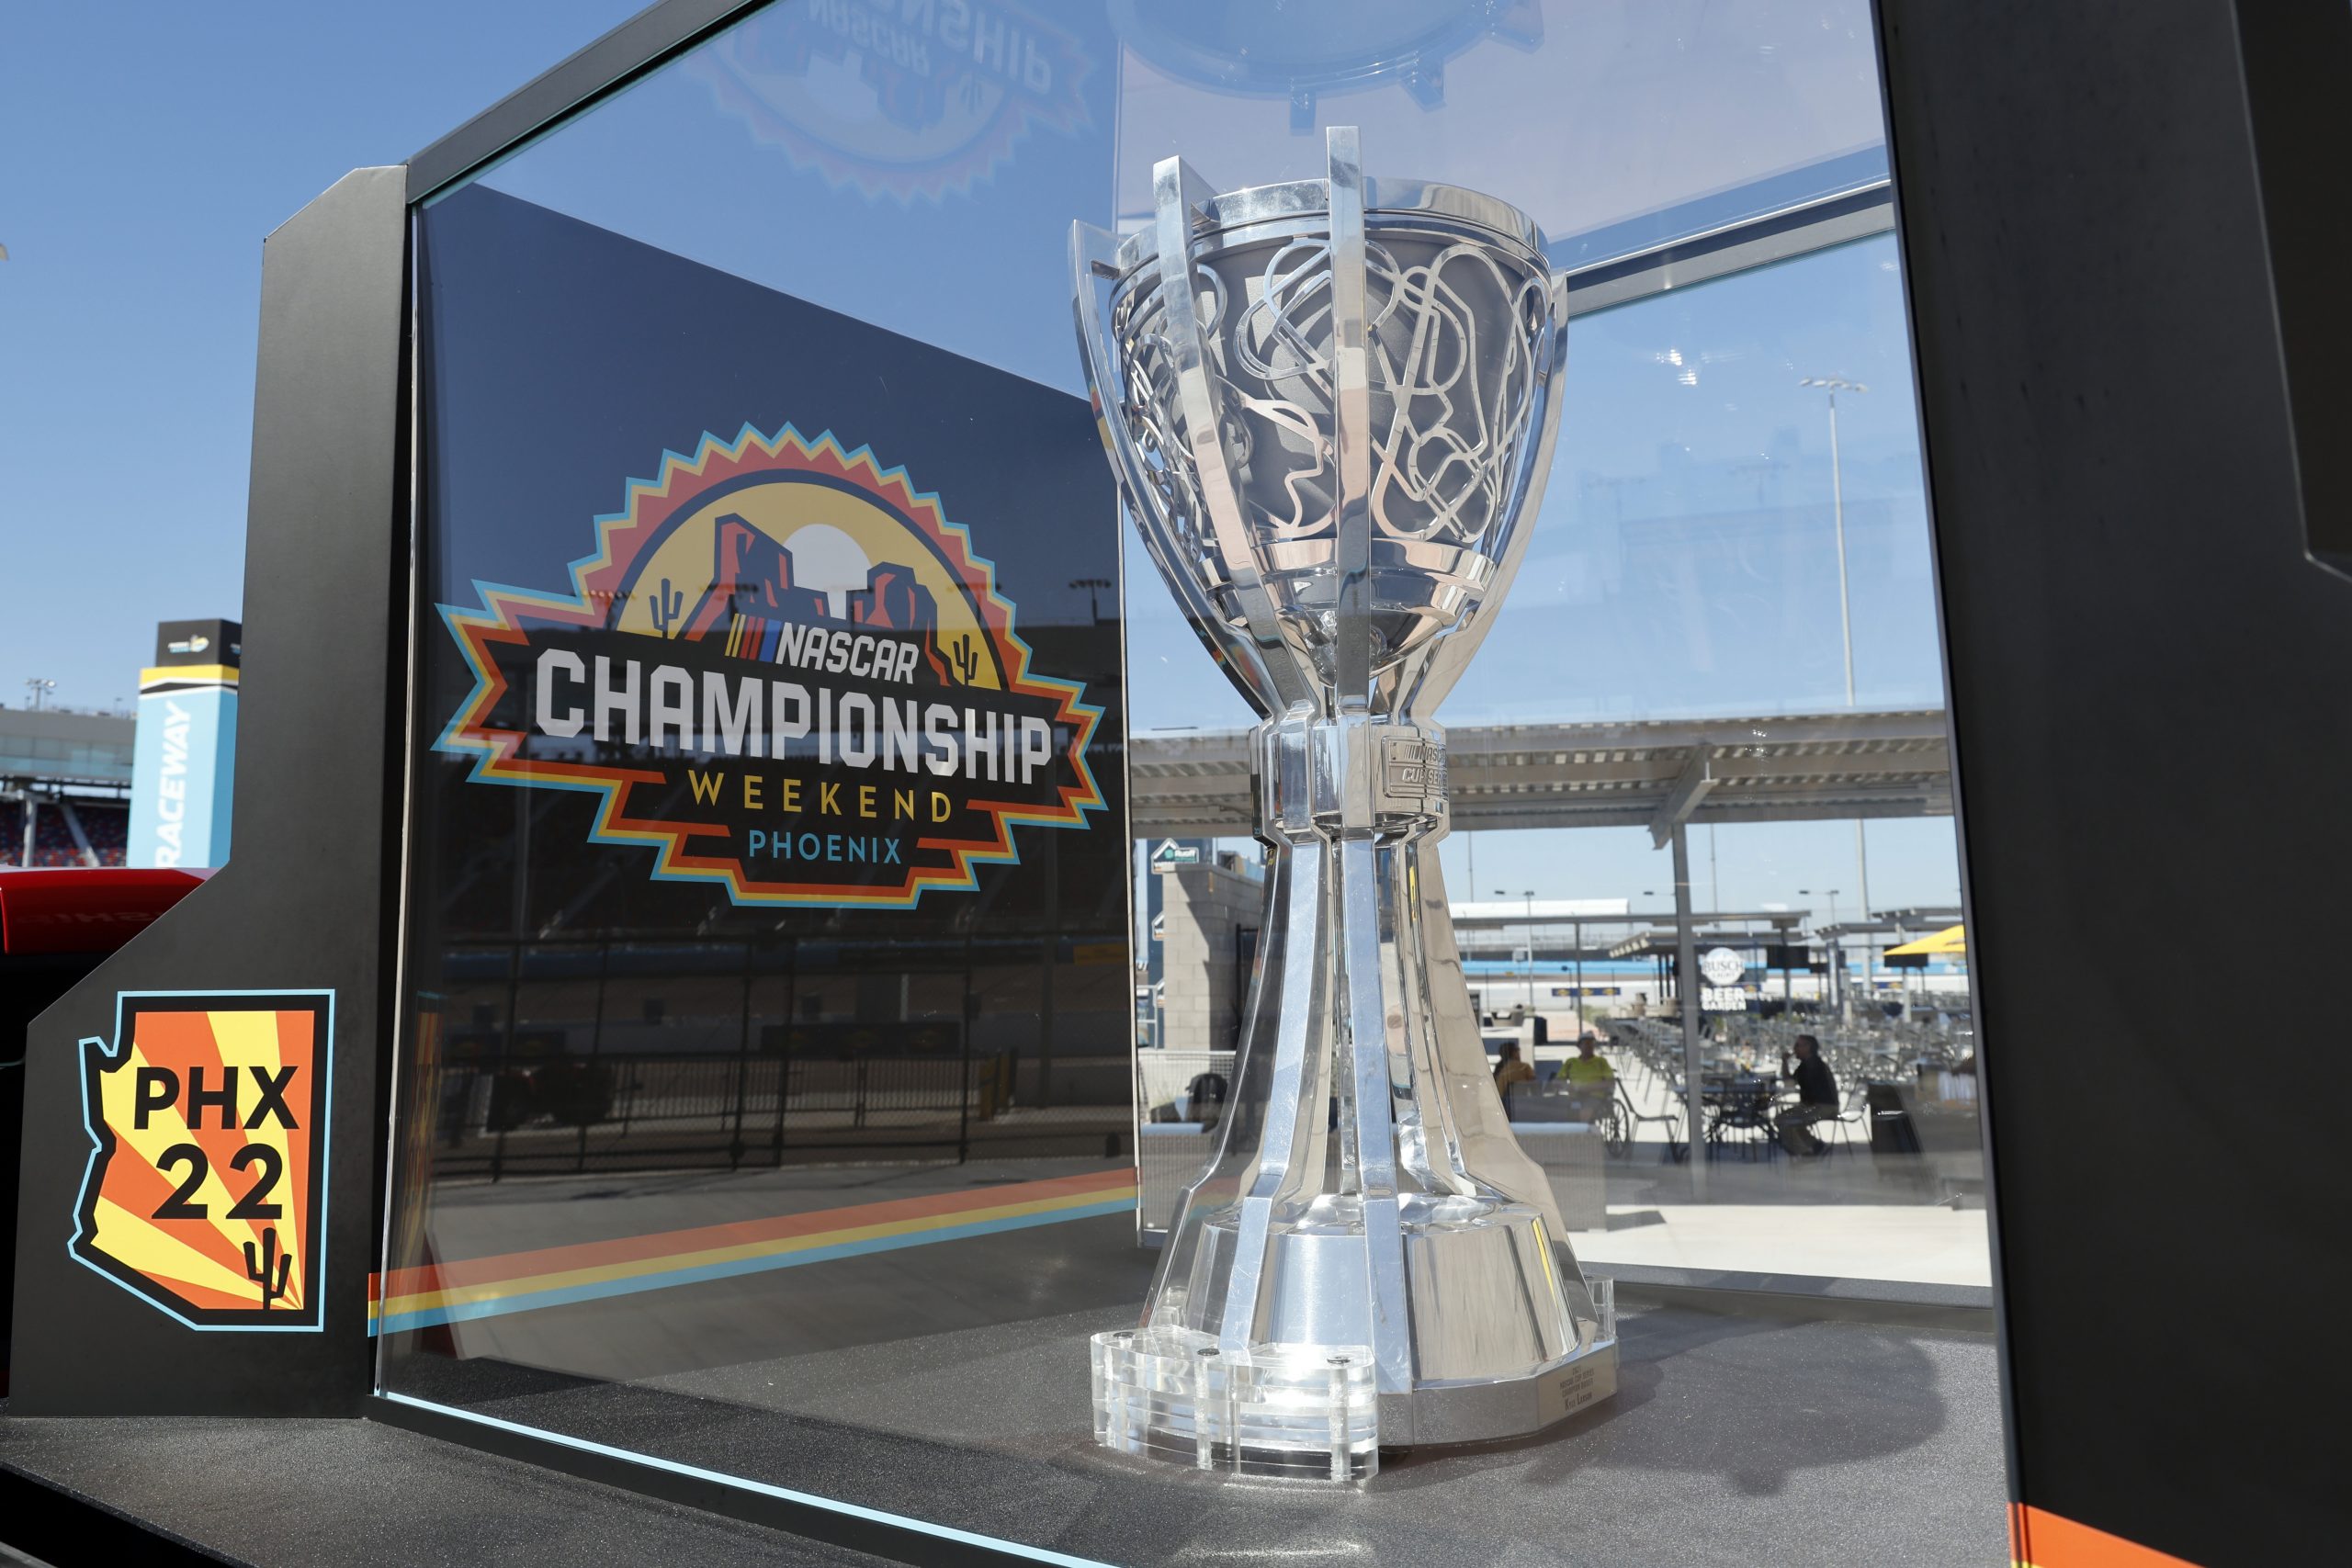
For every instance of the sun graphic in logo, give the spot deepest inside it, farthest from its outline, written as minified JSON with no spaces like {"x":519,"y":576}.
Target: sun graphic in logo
{"x":791,"y":545}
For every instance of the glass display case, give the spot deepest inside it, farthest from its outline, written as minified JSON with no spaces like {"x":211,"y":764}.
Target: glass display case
{"x":839,"y":889}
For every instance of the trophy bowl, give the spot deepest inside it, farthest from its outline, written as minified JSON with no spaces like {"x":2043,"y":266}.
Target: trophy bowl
{"x":1330,"y":405}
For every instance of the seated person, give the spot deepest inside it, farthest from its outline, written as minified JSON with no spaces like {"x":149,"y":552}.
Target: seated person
{"x":1817,"y":1098}
{"x":1587,"y":1066}
{"x":1510,"y":1072}
{"x":1590,"y":1079}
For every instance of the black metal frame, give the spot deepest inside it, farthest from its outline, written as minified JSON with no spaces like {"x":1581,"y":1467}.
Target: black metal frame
{"x":325,"y":663}
{"x":628,"y":51}
{"x":2297,"y":59}
{"x":2136,"y":638}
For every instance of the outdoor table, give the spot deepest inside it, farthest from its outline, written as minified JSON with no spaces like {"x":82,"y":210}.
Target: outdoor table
{"x":1742,"y":1103}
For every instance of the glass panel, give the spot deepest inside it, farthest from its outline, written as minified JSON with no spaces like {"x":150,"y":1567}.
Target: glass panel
{"x":976,"y":131}
{"x":1687,"y":562}
{"x":797,"y":1048}
{"x":1706,"y":562}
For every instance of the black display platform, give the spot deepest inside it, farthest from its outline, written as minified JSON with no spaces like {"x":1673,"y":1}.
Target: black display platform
{"x":278,"y":1493}
{"x":1737,"y":1439}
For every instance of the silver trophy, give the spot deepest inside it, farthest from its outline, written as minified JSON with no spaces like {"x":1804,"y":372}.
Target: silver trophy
{"x":1330,"y":404}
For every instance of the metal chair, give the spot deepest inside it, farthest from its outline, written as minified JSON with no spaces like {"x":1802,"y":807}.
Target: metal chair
{"x":1630,"y":1117}
{"x":1856,"y":1114}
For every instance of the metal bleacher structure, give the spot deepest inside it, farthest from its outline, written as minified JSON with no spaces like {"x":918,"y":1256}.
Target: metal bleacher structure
{"x":1649,"y":773}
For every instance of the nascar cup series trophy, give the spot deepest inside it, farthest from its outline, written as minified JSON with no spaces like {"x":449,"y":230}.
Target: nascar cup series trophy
{"x":1330,"y":404}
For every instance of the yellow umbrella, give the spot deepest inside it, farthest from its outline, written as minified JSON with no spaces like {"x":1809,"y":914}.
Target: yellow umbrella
{"x":1951,"y":939}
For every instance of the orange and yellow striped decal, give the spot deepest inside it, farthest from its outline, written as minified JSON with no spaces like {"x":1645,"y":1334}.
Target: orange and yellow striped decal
{"x":556,"y":1276}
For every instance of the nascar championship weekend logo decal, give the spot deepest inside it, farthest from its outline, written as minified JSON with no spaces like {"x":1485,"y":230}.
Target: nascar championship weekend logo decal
{"x":785,"y":673}
{"x":203,"y":1194}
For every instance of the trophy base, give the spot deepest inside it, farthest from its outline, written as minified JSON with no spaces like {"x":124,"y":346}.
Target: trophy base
{"x":1439,"y":1414}
{"x":1498,"y":1351}
{"x":1489,"y":1293}
{"x":1309,"y":1412}
{"x":1305,"y":1411}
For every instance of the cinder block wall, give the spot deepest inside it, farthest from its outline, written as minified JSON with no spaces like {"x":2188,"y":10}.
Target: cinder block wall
{"x":1204,"y":908}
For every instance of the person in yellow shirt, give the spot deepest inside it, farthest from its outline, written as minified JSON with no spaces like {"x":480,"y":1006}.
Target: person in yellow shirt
{"x":1590,"y":1077}
{"x":1587,"y":1066}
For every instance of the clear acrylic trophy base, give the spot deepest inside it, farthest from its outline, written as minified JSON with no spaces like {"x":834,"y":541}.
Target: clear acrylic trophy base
{"x":1304,"y":1411}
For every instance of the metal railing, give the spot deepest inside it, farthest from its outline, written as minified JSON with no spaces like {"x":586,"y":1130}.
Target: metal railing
{"x":732,"y":1110}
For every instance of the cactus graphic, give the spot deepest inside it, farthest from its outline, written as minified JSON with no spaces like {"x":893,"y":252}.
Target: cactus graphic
{"x":667,"y":604}
{"x":966,"y":654}
{"x":270,"y":1268}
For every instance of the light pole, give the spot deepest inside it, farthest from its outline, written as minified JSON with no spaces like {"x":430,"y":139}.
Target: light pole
{"x":1838,"y":968}
{"x":1833,"y":385}
{"x":1576,"y":928}
{"x":1090,"y":584}
{"x":1530,"y":896}
{"x":36,"y":692}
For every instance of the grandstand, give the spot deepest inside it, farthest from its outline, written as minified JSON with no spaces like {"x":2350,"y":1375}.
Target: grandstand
{"x":72,"y":772}
{"x":105,"y":824}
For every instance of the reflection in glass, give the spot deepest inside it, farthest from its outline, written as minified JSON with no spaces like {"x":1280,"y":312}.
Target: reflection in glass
{"x":834,"y":1198}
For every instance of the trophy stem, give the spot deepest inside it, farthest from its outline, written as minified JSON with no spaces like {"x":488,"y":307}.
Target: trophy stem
{"x":1373,"y":1046}
{"x":1369,"y":1199}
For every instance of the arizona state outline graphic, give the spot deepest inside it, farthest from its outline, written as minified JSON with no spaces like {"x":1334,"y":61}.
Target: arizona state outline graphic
{"x":205,"y":1192}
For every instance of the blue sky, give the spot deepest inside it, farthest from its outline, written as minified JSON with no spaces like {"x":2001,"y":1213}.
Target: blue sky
{"x":1683,"y":564}
{"x":151,"y":148}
